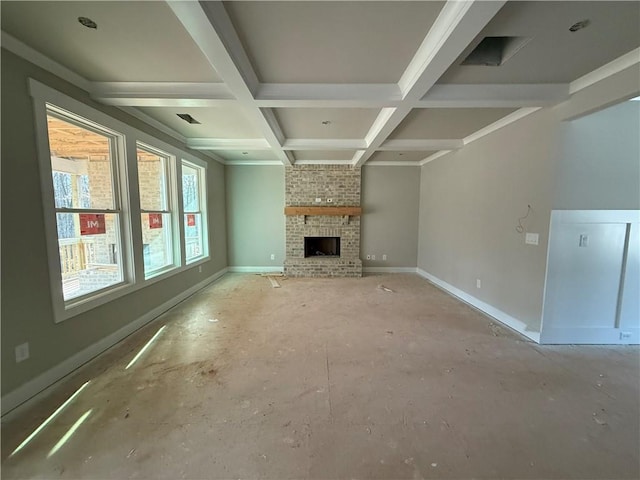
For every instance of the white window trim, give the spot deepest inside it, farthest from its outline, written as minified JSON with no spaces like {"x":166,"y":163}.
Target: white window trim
{"x":132,"y":255}
{"x":172,"y":205}
{"x":204,"y":197}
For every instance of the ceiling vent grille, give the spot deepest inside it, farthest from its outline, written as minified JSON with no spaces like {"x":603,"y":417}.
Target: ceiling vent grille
{"x":188,"y":118}
{"x":495,"y":51}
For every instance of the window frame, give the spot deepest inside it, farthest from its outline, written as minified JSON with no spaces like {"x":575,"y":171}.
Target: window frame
{"x":115,"y":140}
{"x":170,"y":169}
{"x":203,"y":193}
{"x":125,"y":179}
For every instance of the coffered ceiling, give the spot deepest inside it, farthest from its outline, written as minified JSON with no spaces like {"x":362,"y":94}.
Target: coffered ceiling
{"x":322,"y":81}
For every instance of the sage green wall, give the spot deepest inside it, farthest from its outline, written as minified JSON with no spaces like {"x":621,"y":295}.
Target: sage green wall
{"x":390,"y":202}
{"x":26,"y":300}
{"x":255,"y":203}
{"x":599,"y":167}
{"x":256,"y":223}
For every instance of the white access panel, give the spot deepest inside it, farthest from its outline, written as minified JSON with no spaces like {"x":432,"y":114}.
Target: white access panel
{"x":585,"y":300}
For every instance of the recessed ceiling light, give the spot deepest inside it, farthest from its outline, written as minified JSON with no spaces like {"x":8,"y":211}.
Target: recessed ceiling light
{"x":87,"y":22}
{"x":326,"y":122}
{"x":579,"y":25}
{"x":188,"y":118}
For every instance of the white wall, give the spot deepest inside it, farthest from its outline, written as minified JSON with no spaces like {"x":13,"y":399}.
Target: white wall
{"x":599,"y":165}
{"x":597,"y":193}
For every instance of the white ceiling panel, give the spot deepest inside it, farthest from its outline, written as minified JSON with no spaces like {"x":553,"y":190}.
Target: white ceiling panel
{"x":332,"y":42}
{"x":342,"y":122}
{"x":134,"y":41}
{"x":406,"y":156}
{"x":554,"y":54}
{"x":219,"y":122}
{"x":447,"y":123}
{"x":320,"y":155}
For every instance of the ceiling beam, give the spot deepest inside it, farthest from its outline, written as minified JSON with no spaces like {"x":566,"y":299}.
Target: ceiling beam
{"x":421,"y":145}
{"x":455,"y":28}
{"x":323,"y":144}
{"x":287,"y":95}
{"x":161,"y":94}
{"x":494,"y":95}
{"x":368,"y":95}
{"x":228,"y":144}
{"x":211,"y":29}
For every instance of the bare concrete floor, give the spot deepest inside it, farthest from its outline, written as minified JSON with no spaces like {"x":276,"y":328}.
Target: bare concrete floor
{"x":336,"y":378}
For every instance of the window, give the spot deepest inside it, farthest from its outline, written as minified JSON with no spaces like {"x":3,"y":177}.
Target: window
{"x":194,"y":199}
{"x":101,"y":243}
{"x":84,"y":164}
{"x":154,"y":181}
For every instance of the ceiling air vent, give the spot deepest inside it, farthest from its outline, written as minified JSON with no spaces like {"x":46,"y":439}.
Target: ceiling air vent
{"x":495,"y":51}
{"x":188,"y":118}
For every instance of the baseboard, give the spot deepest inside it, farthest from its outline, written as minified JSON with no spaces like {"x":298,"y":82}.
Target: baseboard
{"x":38,"y":387}
{"x":276,"y":269}
{"x":389,"y":269}
{"x":590,"y":336}
{"x":493,"y":312}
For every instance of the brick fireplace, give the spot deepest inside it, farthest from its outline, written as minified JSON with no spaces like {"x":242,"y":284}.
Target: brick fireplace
{"x":337,"y":187}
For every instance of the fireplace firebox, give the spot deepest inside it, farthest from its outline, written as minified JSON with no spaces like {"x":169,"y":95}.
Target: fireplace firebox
{"x":321,"y":247}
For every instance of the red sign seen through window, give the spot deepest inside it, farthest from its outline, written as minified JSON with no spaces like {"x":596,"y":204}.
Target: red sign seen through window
{"x":92,"y":224}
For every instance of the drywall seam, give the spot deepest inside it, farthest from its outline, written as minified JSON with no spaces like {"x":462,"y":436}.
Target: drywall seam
{"x":41,"y":385}
{"x":238,"y":269}
{"x":493,"y":312}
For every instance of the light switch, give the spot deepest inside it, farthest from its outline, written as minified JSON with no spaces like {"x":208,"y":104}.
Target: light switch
{"x":531,"y":238}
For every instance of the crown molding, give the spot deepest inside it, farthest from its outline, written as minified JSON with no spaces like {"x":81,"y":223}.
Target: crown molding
{"x":621,"y":63}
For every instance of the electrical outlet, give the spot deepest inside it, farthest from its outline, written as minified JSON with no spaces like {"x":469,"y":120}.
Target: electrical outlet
{"x":329,"y":200}
{"x":318,"y":200}
{"x":373,"y":257}
{"x":384,"y":257}
{"x":368,"y":257}
{"x":22,"y":352}
{"x":584,"y":240}
{"x":478,"y":283}
{"x":273,"y":256}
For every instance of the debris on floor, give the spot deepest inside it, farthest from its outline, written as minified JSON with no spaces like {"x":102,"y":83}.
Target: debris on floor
{"x":495,"y":330}
{"x":274,"y":282}
{"x":390,"y":332}
{"x":131,"y":452}
{"x":213,"y":320}
{"x":382,"y":287}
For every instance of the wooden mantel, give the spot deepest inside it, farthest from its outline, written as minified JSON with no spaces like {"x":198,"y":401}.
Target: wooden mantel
{"x":333,"y":211}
